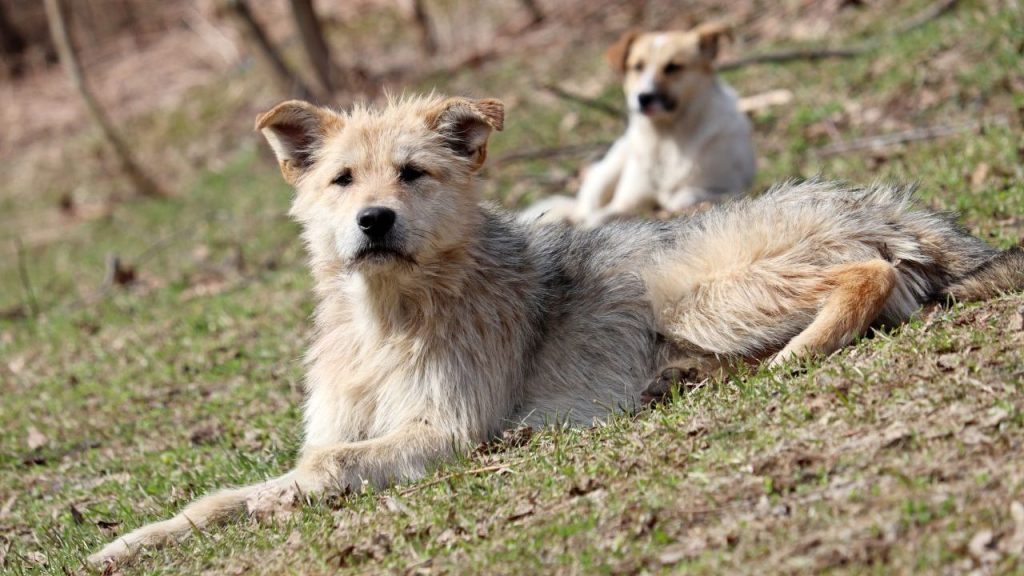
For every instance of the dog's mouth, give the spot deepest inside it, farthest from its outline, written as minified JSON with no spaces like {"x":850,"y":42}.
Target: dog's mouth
{"x":381,"y":254}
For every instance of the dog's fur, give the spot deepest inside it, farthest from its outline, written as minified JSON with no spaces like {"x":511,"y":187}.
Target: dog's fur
{"x":687,"y":141}
{"x":459,"y":320}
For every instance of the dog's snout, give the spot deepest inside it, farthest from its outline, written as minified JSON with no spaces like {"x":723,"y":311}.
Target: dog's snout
{"x":375,"y":221}
{"x":647,"y":99}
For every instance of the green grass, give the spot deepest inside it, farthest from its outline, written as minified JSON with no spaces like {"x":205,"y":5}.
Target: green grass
{"x":120,"y":404}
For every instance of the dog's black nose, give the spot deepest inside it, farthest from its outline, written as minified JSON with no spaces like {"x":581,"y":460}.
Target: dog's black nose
{"x":375,"y":221}
{"x":647,"y":99}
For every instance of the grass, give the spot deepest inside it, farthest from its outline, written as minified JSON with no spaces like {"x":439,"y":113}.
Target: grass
{"x":898,"y":454}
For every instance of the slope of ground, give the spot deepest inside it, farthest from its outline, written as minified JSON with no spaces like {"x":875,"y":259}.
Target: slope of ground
{"x":123,"y":400}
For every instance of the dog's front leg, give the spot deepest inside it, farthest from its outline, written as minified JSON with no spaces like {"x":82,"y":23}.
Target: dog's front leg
{"x":401,"y":456}
{"x":600,"y":180}
{"x":634,"y":193}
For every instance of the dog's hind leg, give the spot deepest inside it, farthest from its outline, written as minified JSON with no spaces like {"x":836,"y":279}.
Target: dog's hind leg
{"x":855,"y":295}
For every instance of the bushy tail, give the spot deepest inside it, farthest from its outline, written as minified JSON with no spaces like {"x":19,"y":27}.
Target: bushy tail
{"x":206,"y":511}
{"x":1003,"y":273}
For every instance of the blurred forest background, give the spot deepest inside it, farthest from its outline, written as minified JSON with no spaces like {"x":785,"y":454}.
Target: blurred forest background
{"x":154,"y":300}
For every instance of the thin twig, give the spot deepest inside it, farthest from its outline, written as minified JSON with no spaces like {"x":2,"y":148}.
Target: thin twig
{"x":26,"y":282}
{"x":56,"y":15}
{"x":550,"y":152}
{"x":927,"y":15}
{"x":782,"y":56}
{"x":912,"y":135}
{"x":446,"y":477}
{"x":814,"y":54}
{"x":583,"y":100}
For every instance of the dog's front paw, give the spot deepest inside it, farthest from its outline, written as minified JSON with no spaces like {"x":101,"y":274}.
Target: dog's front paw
{"x":275,"y":502}
{"x":117,"y":552}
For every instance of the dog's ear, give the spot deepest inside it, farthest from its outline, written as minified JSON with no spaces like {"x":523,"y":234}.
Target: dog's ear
{"x":295,"y":129}
{"x":618,"y":53}
{"x":466,"y":124}
{"x":709,"y":36}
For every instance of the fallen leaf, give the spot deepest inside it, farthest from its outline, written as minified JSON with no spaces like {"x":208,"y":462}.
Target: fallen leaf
{"x":980,"y":547}
{"x":118,"y":273}
{"x":5,"y":510}
{"x":1016,"y":323}
{"x":979,"y":175}
{"x":1014,"y":542}
{"x":36,"y":439}
{"x":294,"y":539}
{"x":395,"y":505}
{"x":76,"y":515}
{"x":683,"y":551}
{"x":521,"y":512}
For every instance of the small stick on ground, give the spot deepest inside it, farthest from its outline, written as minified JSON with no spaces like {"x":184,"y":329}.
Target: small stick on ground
{"x":912,"y":135}
{"x":784,"y":56}
{"x":813,"y":54}
{"x":765,"y":100}
{"x":583,"y":100}
{"x":26,"y":282}
{"x":927,"y":15}
{"x":446,"y":477}
{"x":550,"y":152}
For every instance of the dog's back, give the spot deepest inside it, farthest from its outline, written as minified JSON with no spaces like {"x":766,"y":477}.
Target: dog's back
{"x":737,"y":283}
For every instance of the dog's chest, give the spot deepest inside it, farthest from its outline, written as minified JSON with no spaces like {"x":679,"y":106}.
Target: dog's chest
{"x":671,"y":166}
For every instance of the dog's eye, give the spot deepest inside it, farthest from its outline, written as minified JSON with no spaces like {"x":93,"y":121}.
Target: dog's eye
{"x":344,"y":178}
{"x":409,"y":174}
{"x":672,"y":68}
{"x":638,"y":65}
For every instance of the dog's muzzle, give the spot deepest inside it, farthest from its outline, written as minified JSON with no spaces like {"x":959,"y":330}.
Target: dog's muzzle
{"x":376,"y":222}
{"x":381,"y":240}
{"x":654,"y":102}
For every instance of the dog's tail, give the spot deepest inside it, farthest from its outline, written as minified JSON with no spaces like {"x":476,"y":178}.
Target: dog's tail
{"x":1002,"y":273}
{"x":207,"y":511}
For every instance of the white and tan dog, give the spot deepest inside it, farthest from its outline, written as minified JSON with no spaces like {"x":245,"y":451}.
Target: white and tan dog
{"x":687,"y":141}
{"x":442,"y":321}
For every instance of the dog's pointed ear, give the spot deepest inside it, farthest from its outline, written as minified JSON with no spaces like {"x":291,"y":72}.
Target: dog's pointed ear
{"x":709,"y":37}
{"x":618,"y":53}
{"x":466,"y":124}
{"x":295,"y":129}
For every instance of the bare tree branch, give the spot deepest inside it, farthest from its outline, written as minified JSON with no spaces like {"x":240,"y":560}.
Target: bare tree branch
{"x":428,"y":37}
{"x":288,"y":81}
{"x":783,"y":56}
{"x":312,"y":37}
{"x":548,"y":152}
{"x":583,"y":100}
{"x":912,"y":135}
{"x":57,"y":19}
{"x":26,"y":282}
{"x":536,"y":14}
{"x":813,"y":54}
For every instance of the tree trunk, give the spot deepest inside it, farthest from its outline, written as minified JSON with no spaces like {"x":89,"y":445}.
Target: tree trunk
{"x":428,"y":38}
{"x":12,"y":45}
{"x":57,"y":19}
{"x":314,"y":44}
{"x":257,"y":38}
{"x":536,"y":14}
